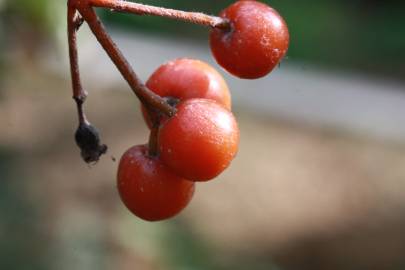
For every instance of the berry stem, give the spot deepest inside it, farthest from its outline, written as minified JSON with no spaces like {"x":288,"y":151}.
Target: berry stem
{"x":141,"y":9}
{"x":147,"y":97}
{"x":87,"y":137}
{"x":79,"y":95}
{"x":153,"y":141}
{"x":150,"y":100}
{"x":154,"y":132}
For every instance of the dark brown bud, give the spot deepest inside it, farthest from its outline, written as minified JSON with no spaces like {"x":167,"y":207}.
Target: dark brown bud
{"x":88,"y":139}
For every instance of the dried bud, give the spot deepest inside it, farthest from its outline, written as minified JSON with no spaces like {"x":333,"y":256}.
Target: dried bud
{"x":88,"y":139}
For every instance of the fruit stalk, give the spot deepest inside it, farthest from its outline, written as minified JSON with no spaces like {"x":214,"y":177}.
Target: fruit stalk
{"x":147,"y":97}
{"x":141,"y":9}
{"x":86,"y":136}
{"x":79,"y":95}
{"x":153,"y":141}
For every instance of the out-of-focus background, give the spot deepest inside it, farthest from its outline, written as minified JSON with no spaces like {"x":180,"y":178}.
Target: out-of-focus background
{"x":319,"y":182}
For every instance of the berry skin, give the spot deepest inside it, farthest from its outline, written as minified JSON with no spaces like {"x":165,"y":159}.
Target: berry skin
{"x":200,"y":140}
{"x":148,"y":189}
{"x":255,"y":44}
{"x":188,"y":78}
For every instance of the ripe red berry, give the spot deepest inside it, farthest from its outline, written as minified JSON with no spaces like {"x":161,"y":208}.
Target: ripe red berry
{"x":188,"y":78}
{"x":148,"y":188}
{"x":255,"y":43}
{"x":200,"y":141}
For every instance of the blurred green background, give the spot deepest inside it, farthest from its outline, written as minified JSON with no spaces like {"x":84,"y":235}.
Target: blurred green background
{"x":58,"y":214}
{"x":361,"y":35}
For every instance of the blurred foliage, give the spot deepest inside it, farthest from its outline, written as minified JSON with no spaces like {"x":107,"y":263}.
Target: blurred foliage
{"x":39,"y":13}
{"x":357,"y":34}
{"x":183,"y":249}
{"x":33,"y":11}
{"x":2,"y":65}
{"x":20,"y":236}
{"x":361,"y":34}
{"x":364,"y":35}
{"x":34,"y":21}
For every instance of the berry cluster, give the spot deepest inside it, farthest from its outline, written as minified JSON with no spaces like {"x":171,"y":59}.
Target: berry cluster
{"x":186,"y":103}
{"x":196,"y":144}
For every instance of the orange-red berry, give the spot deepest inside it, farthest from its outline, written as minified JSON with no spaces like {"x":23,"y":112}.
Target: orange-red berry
{"x":186,"y":78}
{"x":254,"y":44}
{"x":148,"y":188}
{"x":200,"y":141}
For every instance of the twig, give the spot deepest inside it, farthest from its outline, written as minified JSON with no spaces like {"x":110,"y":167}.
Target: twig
{"x":141,"y":9}
{"x":147,"y":97}
{"x":79,"y":95}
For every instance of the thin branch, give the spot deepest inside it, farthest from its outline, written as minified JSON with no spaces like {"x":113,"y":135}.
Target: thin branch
{"x":86,"y":136}
{"x":141,"y":9}
{"x":79,"y":95}
{"x":147,"y":97}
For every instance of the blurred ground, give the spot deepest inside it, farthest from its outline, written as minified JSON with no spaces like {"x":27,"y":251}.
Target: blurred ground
{"x":300,"y":197}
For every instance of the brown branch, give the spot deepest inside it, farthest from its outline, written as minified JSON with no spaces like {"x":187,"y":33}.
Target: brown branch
{"x":140,"y":9}
{"x":79,"y":95}
{"x":147,"y":97}
{"x":86,"y":136}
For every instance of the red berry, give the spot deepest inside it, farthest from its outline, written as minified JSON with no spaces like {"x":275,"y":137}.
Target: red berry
{"x":188,"y":78}
{"x":200,"y":141}
{"x":255,"y":43}
{"x":148,"y":189}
